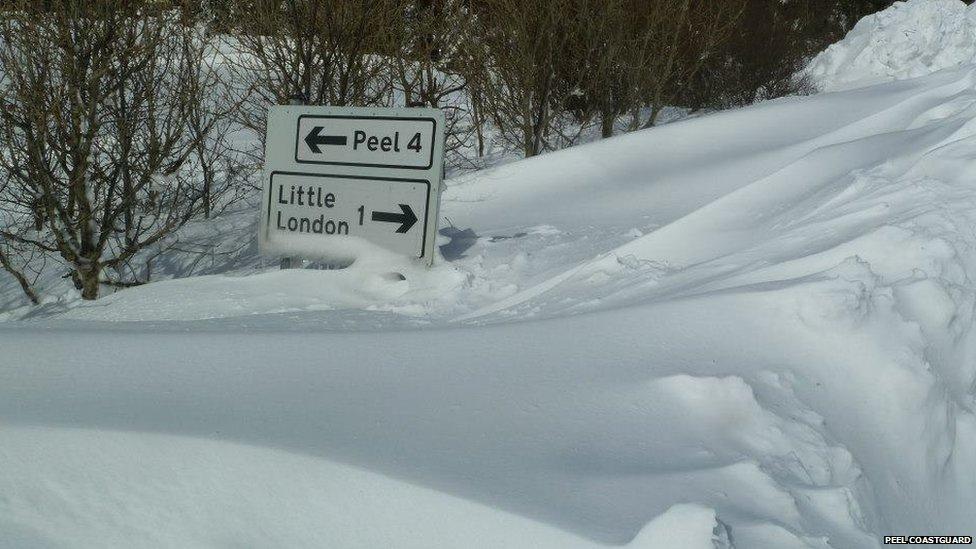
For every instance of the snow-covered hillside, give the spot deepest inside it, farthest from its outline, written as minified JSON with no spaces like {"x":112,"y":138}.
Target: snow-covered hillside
{"x":753,"y":329}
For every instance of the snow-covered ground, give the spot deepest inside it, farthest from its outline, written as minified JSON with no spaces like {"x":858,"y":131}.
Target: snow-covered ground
{"x":753,"y":329}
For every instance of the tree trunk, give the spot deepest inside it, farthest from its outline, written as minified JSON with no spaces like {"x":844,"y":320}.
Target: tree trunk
{"x":528,"y":140}
{"x":88,"y":276}
{"x":540,"y":123}
{"x":606,"y":124}
{"x":476,"y":119}
{"x":634,"y":119}
{"x":655,"y":111}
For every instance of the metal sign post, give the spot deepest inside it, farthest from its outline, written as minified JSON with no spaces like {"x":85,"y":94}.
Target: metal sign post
{"x":336,"y":178}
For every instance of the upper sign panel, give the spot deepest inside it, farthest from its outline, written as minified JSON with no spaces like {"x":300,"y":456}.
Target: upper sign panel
{"x":378,"y":142}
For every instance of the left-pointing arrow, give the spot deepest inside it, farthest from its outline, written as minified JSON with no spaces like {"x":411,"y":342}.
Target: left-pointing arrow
{"x":313,"y":139}
{"x":406,"y":219}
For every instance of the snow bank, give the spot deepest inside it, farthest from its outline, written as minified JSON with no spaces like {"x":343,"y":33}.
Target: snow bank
{"x":399,"y":286}
{"x":755,"y":330}
{"x":907,"y":40}
{"x":145,"y":490}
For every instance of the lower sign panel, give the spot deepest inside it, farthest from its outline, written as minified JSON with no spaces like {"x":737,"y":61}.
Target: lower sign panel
{"x":314,"y":213}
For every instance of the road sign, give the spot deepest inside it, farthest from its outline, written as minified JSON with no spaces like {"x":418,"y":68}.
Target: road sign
{"x":337,"y":176}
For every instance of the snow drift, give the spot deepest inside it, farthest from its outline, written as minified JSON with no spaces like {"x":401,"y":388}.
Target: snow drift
{"x":776,"y":328}
{"x":907,"y":40}
{"x":753,"y":330}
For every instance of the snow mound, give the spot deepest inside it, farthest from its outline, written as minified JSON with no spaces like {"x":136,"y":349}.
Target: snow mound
{"x":754,"y":330}
{"x":136,"y":486}
{"x":907,"y":40}
{"x":405,"y":289}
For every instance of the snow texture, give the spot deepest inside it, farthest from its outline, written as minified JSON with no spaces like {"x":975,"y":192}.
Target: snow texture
{"x":907,"y":40}
{"x":750,"y":330}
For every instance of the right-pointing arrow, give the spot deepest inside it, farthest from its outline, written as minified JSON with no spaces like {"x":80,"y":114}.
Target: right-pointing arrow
{"x":406,"y":220}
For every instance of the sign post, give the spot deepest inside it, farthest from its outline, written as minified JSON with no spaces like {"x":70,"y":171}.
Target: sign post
{"x":293,"y":262}
{"x":340,"y":179}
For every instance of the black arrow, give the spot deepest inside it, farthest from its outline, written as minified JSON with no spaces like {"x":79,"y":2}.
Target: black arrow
{"x":406,"y":219}
{"x":313,"y":139}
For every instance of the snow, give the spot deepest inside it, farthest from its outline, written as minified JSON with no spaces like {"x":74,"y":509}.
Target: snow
{"x":361,"y":286}
{"x":907,"y":40}
{"x":751,"y":329}
{"x":131,"y":495}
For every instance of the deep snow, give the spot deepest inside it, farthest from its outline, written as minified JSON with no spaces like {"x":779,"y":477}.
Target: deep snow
{"x":752,"y":329}
{"x":907,"y":40}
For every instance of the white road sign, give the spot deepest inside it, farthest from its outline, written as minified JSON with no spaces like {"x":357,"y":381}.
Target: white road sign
{"x":336,"y":175}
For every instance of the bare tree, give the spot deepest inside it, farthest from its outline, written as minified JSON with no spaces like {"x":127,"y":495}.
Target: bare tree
{"x":521,"y":74}
{"x":14,"y":258}
{"x":537,"y":62}
{"x":429,"y":37}
{"x":769,"y":46}
{"x":675,"y":42}
{"x":601,"y":49}
{"x":428,"y":66}
{"x":103,"y":107}
{"x":328,"y":52}
{"x":7,"y":263}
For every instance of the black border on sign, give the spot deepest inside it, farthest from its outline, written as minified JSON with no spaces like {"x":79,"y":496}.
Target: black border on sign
{"x":433,"y":140}
{"x":423,"y":240}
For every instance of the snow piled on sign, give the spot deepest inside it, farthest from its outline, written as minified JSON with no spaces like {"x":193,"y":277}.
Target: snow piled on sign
{"x":907,"y":40}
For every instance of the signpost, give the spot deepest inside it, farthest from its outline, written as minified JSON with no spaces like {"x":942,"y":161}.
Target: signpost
{"x":338,"y":177}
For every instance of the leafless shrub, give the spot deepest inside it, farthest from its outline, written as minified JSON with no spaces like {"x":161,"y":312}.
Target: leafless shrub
{"x":541,"y":61}
{"x":15,"y":261}
{"x":326,"y":52}
{"x":767,"y":48}
{"x":518,"y":70}
{"x":427,"y":65}
{"x":105,"y":130}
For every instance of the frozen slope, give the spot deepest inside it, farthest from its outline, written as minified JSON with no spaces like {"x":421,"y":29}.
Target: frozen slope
{"x":751,"y":330}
